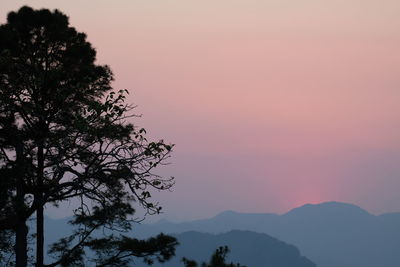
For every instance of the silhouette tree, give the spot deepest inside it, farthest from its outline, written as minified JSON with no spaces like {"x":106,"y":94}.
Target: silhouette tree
{"x":217,"y":260}
{"x":64,"y":134}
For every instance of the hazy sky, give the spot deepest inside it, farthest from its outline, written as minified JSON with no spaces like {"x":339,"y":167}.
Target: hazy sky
{"x":271,"y":103}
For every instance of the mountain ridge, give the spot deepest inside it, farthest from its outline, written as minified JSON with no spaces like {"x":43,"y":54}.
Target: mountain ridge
{"x":226,"y":213}
{"x":331,"y":234}
{"x":249,"y":248}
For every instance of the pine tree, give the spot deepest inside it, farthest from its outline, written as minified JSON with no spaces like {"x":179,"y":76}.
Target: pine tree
{"x":66,"y":134}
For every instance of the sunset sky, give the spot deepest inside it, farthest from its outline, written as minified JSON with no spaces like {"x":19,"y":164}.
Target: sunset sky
{"x":271,"y":103}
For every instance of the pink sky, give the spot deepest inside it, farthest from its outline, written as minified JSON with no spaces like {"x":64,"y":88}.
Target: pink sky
{"x":271,"y":104}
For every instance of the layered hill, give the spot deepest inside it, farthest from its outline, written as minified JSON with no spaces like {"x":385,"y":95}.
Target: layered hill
{"x":330,"y":234}
{"x":247,"y":248}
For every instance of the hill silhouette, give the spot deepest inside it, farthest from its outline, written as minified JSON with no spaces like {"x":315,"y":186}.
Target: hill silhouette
{"x":248,"y":248}
{"x":330,"y":234}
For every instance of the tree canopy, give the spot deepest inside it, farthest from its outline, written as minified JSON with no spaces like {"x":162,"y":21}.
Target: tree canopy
{"x":66,"y":134}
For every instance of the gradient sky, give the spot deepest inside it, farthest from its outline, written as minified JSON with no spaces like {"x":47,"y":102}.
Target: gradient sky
{"x":271,"y":103}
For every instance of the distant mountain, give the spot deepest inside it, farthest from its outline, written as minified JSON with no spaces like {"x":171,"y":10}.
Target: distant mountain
{"x":331,"y":234}
{"x":223,"y":222}
{"x":247,"y":248}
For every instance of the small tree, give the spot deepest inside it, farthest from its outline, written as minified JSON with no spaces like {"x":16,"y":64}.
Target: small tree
{"x":64,"y":134}
{"x":217,"y":260}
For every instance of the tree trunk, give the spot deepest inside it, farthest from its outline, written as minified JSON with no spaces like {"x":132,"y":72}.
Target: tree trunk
{"x":39,"y":237}
{"x":21,"y":235}
{"x":21,"y":245}
{"x":39,"y":212}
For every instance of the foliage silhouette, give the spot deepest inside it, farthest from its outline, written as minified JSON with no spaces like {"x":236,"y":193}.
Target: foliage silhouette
{"x":64,"y":134}
{"x":217,"y":260}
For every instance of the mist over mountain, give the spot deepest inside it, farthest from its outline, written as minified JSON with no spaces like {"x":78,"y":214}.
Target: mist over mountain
{"x":330,"y":234}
